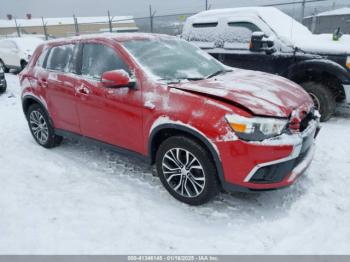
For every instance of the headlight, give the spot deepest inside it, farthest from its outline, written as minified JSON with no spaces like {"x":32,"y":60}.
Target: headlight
{"x":348,"y":62}
{"x":1,"y":70}
{"x":256,"y":128}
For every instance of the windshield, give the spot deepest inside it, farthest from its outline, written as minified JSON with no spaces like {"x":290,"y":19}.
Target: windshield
{"x":170,"y":59}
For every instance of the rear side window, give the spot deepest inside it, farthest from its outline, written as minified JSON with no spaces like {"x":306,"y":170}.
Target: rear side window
{"x":60,"y":57}
{"x":41,"y":60}
{"x":213,"y":24}
{"x":98,"y":58}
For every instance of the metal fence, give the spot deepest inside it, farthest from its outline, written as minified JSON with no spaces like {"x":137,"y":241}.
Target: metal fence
{"x":171,"y":24}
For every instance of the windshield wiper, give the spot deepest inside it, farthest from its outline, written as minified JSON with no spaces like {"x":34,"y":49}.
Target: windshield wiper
{"x":178,"y":80}
{"x":219,"y":72}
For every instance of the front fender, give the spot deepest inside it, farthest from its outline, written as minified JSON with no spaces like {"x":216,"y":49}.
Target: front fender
{"x":319,"y":66}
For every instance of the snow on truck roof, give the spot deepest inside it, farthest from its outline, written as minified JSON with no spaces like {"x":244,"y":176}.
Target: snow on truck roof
{"x":64,"y":21}
{"x":284,"y":25}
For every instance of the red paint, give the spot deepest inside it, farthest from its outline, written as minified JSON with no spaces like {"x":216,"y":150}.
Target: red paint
{"x":121,"y":116}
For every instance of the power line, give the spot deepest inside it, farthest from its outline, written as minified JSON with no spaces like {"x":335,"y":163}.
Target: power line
{"x":296,"y":2}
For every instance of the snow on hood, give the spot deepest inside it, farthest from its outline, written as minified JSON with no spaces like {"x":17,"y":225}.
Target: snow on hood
{"x":323,"y":44}
{"x":261,"y":93}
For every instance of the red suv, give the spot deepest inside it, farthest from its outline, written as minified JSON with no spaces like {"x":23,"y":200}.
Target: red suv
{"x":204,"y":125}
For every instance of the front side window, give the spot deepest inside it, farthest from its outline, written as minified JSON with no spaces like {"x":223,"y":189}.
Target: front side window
{"x":98,"y":58}
{"x":60,"y":57}
{"x":173,"y":59}
{"x":239,"y":32}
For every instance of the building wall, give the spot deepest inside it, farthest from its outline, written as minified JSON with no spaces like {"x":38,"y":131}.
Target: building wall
{"x":328,"y":24}
{"x":65,"y":30}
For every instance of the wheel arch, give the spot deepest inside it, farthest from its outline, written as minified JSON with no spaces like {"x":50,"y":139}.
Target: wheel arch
{"x":164,"y":131}
{"x":29,"y":100}
{"x":321,"y":70}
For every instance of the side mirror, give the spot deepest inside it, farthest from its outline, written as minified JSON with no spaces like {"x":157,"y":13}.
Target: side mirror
{"x":116,"y":78}
{"x":259,"y":42}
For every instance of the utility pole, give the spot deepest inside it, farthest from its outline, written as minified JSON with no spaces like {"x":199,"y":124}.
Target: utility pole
{"x":206,"y":5}
{"x":45,"y":29}
{"x":303,"y":10}
{"x":17,"y":28}
{"x":110,"y":22}
{"x":151,"y":16}
{"x":76,"y":26}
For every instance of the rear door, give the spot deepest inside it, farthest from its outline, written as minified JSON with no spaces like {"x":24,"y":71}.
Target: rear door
{"x":111,"y":115}
{"x":60,"y":82}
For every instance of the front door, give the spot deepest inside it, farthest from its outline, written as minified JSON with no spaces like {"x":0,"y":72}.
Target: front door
{"x":111,"y":115}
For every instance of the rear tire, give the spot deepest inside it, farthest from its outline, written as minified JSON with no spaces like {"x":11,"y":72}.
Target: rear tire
{"x":41,"y":128}
{"x":186,"y":170}
{"x":323,"y":98}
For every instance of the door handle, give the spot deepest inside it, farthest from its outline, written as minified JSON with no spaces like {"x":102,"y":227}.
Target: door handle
{"x":82,"y":90}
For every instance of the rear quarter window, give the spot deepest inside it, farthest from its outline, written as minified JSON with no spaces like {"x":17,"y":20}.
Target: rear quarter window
{"x":42,"y":59}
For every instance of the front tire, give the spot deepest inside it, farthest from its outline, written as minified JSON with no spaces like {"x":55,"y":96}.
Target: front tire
{"x":323,"y":98}
{"x":41,"y":128}
{"x":186,"y":170}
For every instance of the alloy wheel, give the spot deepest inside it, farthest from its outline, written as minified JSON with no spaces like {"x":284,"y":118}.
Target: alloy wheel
{"x":39,"y":126}
{"x":183,"y":172}
{"x":316,"y":101}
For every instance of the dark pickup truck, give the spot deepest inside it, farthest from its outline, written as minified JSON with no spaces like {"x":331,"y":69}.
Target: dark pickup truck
{"x":266,"y":39}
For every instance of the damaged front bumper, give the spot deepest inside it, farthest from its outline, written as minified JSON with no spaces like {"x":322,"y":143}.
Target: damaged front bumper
{"x":269,"y":164}
{"x":286,"y":170}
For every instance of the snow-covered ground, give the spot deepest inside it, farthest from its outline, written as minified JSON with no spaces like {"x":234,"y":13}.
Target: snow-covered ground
{"x":79,"y":199}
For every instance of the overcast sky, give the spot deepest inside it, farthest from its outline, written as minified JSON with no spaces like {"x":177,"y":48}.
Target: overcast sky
{"x":137,"y":8}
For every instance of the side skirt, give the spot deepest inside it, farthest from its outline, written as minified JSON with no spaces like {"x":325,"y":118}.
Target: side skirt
{"x":114,"y":148}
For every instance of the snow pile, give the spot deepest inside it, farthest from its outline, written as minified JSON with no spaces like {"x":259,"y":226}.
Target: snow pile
{"x":28,"y":44}
{"x":80,"y":199}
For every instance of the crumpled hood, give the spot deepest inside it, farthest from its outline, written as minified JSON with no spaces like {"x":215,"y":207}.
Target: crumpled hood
{"x":323,"y":44}
{"x":261,"y":93}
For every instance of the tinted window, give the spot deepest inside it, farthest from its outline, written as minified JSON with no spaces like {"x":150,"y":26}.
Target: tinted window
{"x":214,"y":24}
{"x":98,"y":59}
{"x":59,"y":58}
